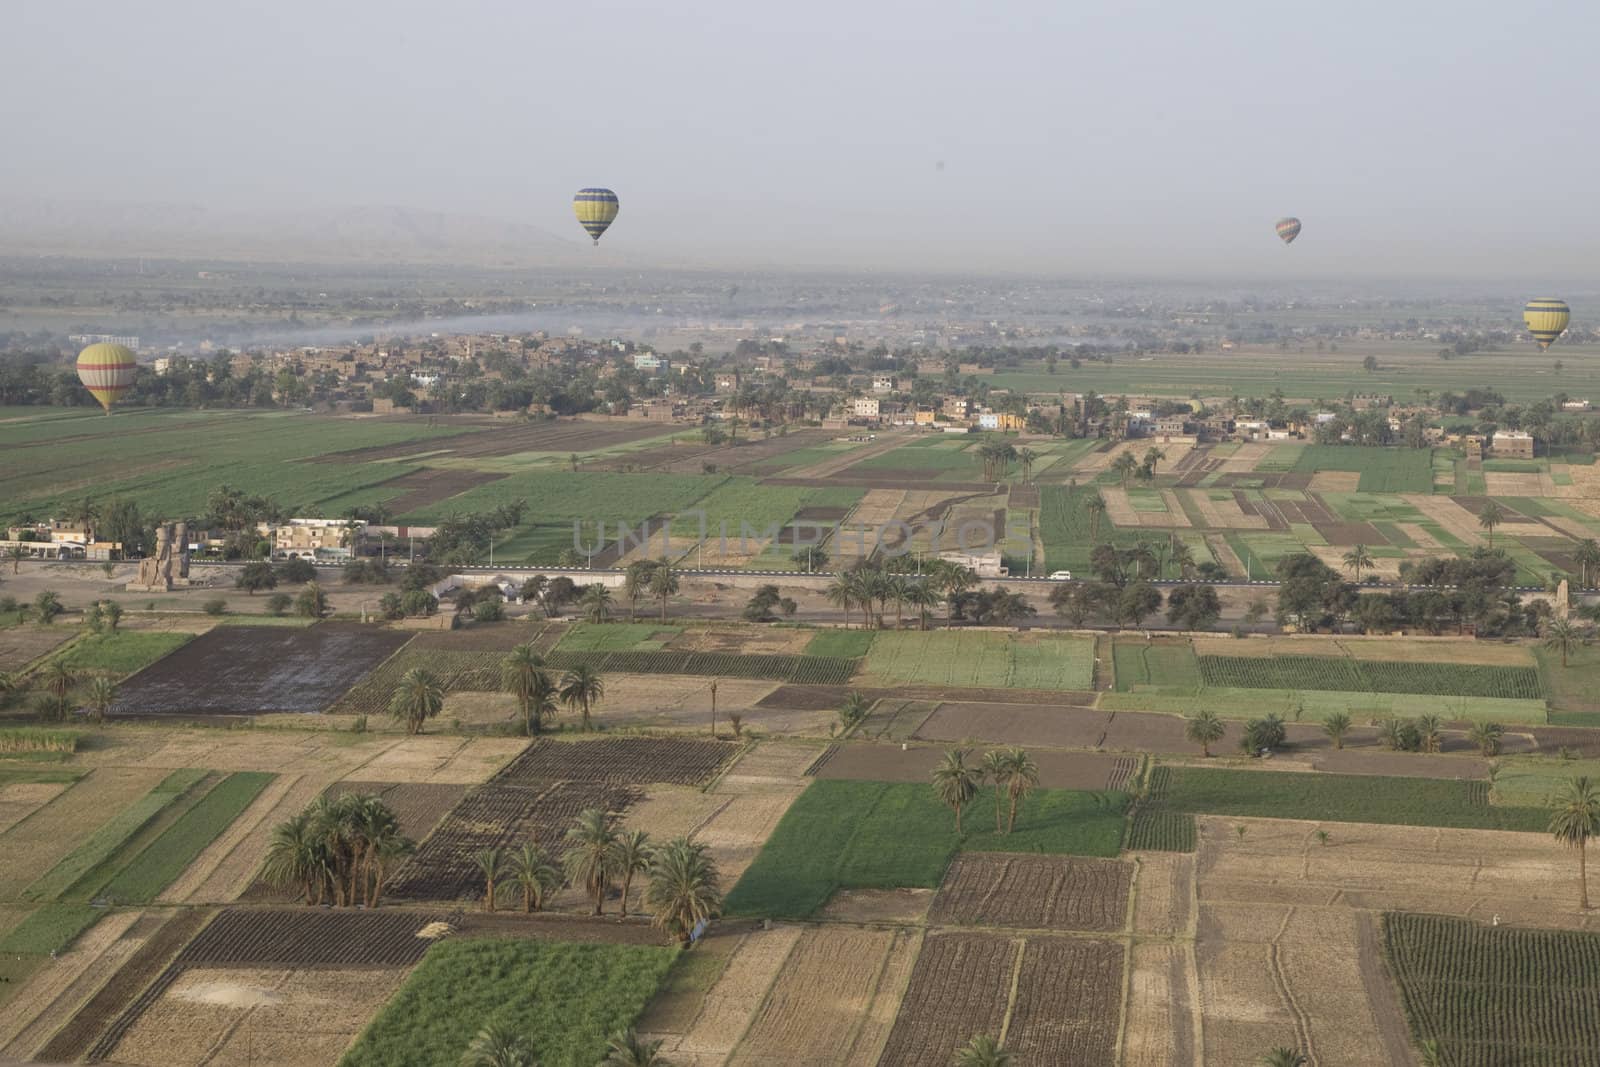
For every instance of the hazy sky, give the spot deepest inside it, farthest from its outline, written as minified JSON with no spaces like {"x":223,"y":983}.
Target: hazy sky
{"x":1078,"y":136}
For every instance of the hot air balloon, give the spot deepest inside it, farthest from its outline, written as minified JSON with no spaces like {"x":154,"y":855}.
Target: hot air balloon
{"x":106,"y":371}
{"x":1288,"y":229}
{"x":596,"y":209}
{"x":1546,"y":319}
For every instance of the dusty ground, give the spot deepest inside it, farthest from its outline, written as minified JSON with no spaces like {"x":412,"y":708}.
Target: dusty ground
{"x":238,"y":1016}
{"x":55,"y":990}
{"x":21,"y":645}
{"x":733,"y":1000}
{"x":35,"y":845}
{"x":18,"y":800}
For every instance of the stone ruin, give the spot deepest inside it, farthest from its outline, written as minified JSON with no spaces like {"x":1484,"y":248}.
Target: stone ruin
{"x":167,"y":568}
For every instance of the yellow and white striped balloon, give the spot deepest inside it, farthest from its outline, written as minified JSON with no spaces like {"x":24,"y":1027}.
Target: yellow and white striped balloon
{"x":107,"y":372}
{"x":1546,"y":318}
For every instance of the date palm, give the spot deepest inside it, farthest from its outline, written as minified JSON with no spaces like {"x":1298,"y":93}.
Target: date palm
{"x":534,"y":874}
{"x":628,"y":1049}
{"x":1429,"y":733}
{"x":491,"y":863}
{"x":1336,"y":726}
{"x":924,"y":597}
{"x":994,"y":767}
{"x":632,"y":855}
{"x":581,"y":687}
{"x":58,"y":679}
{"x":1586,"y":555}
{"x":663,"y":583}
{"x":596,"y":603}
{"x":499,"y":1045}
{"x":956,"y":782}
{"x":1357,"y":560}
{"x":636,"y":584}
{"x":1204,"y":729}
{"x":1491,"y":516}
{"x":1096,"y":507}
{"x":1283,"y":1056}
{"x":99,"y":695}
{"x":296,"y":857}
{"x":1027,"y":457}
{"x":16,"y":554}
{"x":1560,"y":635}
{"x":841,"y":593}
{"x":522,"y":674}
{"x":1022,"y":778}
{"x":684,"y":888}
{"x":1486,"y":735}
{"x":418,"y":698}
{"x":1576,"y":819}
{"x":590,"y":857}
{"x":981,"y":1051}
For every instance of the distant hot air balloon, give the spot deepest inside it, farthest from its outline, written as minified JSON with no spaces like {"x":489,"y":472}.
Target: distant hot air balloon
{"x":1288,"y":229}
{"x":1546,"y":319}
{"x":106,"y":371}
{"x":595,"y":208}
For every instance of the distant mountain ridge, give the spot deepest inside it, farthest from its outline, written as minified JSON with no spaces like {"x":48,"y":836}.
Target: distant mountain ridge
{"x":331,"y":235}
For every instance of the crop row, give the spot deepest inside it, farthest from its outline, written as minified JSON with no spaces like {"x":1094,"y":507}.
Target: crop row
{"x":807,"y":670}
{"x":310,"y":938}
{"x":1338,"y":674}
{"x":1156,"y":829}
{"x":1482,"y":991}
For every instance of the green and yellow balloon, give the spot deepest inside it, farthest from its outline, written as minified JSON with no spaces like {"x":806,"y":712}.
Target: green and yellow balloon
{"x":596,"y":209}
{"x":1546,"y":319}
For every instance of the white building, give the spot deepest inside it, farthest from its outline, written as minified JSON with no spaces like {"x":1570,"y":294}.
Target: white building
{"x":883,"y":383}
{"x":865,"y":407}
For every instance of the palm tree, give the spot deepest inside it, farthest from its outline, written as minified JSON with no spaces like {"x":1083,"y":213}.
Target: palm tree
{"x":58,"y":679}
{"x":580,"y":688}
{"x":956,"y":781}
{"x":596,"y":603}
{"x":1586,"y":556}
{"x":1022,"y":778}
{"x":590,"y":858}
{"x":1181,"y":556}
{"x":1124,"y":466}
{"x":1027,"y":457}
{"x":1560,"y":635}
{"x":16,"y":554}
{"x":498,"y":1045}
{"x":1096,"y":507}
{"x":100,"y":694}
{"x":924,"y":597}
{"x":854,"y":708}
{"x":295,"y":856}
{"x":1283,"y":1056}
{"x":1491,"y":516}
{"x":418,"y":698}
{"x":1486,"y":735}
{"x":663,"y":584}
{"x":491,"y":864}
{"x":632,"y":855}
{"x":636,"y":584}
{"x":521,"y":675}
{"x":1576,"y":819}
{"x":534,"y":875}
{"x":981,"y":1051}
{"x":1357,"y":560}
{"x":684,"y":888}
{"x":1429,"y":734}
{"x":1336,"y":726}
{"x":841,"y":593}
{"x":628,"y":1049}
{"x":1152,"y":456}
{"x":994,"y":766}
{"x":1204,"y":729}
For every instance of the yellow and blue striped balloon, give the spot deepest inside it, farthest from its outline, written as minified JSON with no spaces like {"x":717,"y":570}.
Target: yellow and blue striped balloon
{"x":595,"y":208}
{"x":1546,"y":319}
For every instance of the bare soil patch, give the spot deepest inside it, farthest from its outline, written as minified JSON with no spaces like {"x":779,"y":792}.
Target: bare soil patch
{"x":892,"y":763}
{"x":901,"y":906}
{"x":243,"y":670}
{"x":419,"y":806}
{"x":814,"y":1009}
{"x":429,"y":485}
{"x":18,"y":800}
{"x":1349,"y":533}
{"x":1016,"y":724}
{"x":1160,"y":1013}
{"x":959,"y":987}
{"x":633,"y":760}
{"x":736,"y":997}
{"x":1068,"y":995}
{"x":1034,"y":892}
{"x":309,"y":937}
{"x":1163,"y":892}
{"x":21,"y":645}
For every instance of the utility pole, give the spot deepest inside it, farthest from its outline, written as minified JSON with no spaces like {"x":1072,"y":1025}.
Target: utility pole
{"x":713,"y":709}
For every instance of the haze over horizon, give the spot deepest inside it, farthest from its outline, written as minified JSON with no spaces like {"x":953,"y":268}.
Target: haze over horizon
{"x":1429,"y":141}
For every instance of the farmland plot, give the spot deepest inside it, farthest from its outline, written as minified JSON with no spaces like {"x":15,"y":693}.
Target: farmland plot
{"x":242,"y":670}
{"x":958,"y":988}
{"x":295,"y":938}
{"x":1498,"y":995}
{"x":1330,"y":673}
{"x":1033,"y":892}
{"x":620,"y":760}
{"x":806,"y":670}
{"x":1067,"y":1007}
{"x":978,"y":659}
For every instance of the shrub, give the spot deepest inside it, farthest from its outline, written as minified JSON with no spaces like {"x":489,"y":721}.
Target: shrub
{"x":217,"y":606}
{"x":278,"y":603}
{"x":492,"y":610}
{"x":392,"y":606}
{"x":419,"y":602}
{"x":296,"y":571}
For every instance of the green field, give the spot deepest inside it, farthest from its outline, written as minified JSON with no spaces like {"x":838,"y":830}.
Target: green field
{"x":1334,"y":673}
{"x":122,"y":652}
{"x":1492,"y":995}
{"x":1314,"y":705}
{"x":618,"y":636}
{"x":1143,"y":663}
{"x":1383,"y":470}
{"x":49,"y":929}
{"x":565,"y":998}
{"x":877,"y":835}
{"x":1338,"y":798}
{"x":996,"y":660}
{"x":849,"y":644}
{"x":165,"y":858}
